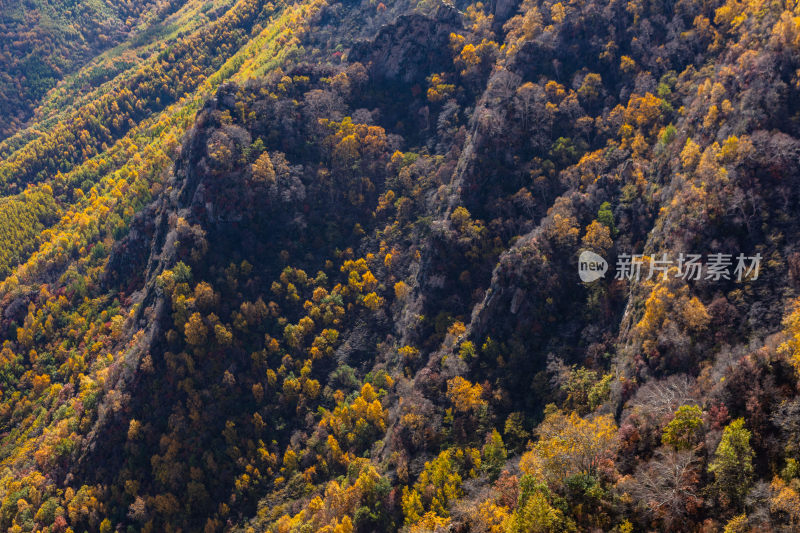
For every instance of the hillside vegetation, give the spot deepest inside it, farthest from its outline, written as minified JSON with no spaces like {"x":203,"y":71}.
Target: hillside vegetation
{"x":312,"y":266}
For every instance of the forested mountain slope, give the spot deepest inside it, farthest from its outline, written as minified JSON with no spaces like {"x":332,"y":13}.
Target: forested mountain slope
{"x":313,"y":266}
{"x":42,"y":41}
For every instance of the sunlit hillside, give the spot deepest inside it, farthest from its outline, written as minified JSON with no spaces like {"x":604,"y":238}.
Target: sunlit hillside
{"x":391,"y":266}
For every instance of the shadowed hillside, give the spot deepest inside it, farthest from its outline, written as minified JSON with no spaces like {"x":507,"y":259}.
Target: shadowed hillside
{"x":313,"y":266}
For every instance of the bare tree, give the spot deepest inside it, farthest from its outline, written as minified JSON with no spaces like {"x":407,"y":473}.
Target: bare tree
{"x":502,"y":85}
{"x":324,"y":104}
{"x":527,"y":98}
{"x":668,"y":486}
{"x":660,"y":398}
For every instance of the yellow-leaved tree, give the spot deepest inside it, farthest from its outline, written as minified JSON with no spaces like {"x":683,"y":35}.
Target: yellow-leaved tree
{"x":570,"y":445}
{"x":465,"y":396}
{"x":791,"y":347}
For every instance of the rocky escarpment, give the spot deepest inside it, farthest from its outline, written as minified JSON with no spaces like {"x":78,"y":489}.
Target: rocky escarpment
{"x":411,"y":48}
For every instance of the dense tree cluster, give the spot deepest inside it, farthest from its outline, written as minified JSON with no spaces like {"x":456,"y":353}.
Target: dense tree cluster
{"x":42,"y":42}
{"x":256,"y":284}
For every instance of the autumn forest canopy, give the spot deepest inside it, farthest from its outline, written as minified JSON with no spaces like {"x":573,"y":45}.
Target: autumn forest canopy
{"x":313,"y":266}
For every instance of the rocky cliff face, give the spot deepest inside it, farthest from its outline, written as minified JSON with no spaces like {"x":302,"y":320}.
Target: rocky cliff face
{"x":351,"y":301}
{"x":411,"y":48}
